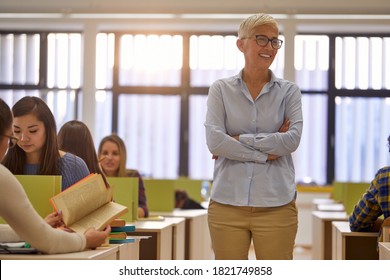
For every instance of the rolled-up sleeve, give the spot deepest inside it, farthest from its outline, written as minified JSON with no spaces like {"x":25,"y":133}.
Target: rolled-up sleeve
{"x":217,"y":139}
{"x":281,"y":143}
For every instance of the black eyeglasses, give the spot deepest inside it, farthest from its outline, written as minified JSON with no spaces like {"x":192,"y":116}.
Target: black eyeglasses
{"x":12,"y":141}
{"x":262,"y":41}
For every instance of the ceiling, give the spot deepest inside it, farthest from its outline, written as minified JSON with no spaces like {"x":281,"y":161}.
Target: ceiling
{"x":364,"y":7}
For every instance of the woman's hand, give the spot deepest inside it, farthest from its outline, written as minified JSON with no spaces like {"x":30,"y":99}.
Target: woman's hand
{"x":55,"y":219}
{"x":96,"y":238}
{"x":285,"y":126}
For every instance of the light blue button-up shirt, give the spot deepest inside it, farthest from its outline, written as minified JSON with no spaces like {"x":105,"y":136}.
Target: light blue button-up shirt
{"x":242,"y":174}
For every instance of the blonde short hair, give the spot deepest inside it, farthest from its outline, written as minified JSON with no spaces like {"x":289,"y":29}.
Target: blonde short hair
{"x":250,"y":23}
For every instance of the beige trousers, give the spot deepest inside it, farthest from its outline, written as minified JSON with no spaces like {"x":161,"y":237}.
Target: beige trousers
{"x":272,"y":229}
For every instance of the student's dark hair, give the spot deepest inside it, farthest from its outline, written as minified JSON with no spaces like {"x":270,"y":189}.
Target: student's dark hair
{"x":5,"y":117}
{"x":75,"y":137}
{"x":15,"y":159}
{"x":388,"y":142}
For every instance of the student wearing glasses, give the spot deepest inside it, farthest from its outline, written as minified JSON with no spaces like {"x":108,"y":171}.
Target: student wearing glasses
{"x":253,"y":125}
{"x":36,"y":152}
{"x":24,"y":223}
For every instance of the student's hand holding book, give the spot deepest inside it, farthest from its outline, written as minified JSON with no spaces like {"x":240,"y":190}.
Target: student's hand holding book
{"x":96,"y":238}
{"x":87,"y":204}
{"x":55,"y":219}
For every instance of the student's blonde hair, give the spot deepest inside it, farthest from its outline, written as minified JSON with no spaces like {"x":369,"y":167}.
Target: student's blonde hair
{"x":121,"y":172}
{"x":250,"y":23}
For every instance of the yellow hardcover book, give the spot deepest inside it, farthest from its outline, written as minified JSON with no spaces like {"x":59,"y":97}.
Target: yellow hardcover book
{"x":39,"y":190}
{"x":152,"y":218}
{"x":118,"y":223}
{"x":122,"y":241}
{"x":88,"y":204}
{"x":118,"y":235}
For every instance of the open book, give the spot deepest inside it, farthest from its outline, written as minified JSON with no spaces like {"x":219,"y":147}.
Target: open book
{"x":87,"y":204}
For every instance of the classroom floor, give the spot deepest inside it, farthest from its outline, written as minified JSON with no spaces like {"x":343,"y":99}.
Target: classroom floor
{"x":300,"y":253}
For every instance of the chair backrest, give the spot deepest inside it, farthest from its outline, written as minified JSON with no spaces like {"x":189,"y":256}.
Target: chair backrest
{"x":349,"y":193}
{"x":125,"y":192}
{"x":386,"y":230}
{"x":160,"y":194}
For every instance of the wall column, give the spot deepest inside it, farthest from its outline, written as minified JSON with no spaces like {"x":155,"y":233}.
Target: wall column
{"x":89,"y":74}
{"x":289,"y":32}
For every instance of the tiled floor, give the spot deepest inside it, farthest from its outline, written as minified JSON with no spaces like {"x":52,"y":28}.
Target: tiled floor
{"x":300,"y":253}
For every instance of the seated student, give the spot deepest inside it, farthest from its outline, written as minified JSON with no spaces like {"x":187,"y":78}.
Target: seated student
{"x":112,"y":152}
{"x":75,"y":137}
{"x":24,"y":223}
{"x":374,"y":202}
{"x":37,"y":151}
{"x":183,"y":201}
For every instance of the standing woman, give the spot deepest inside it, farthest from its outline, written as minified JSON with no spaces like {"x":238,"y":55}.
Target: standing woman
{"x":112,"y":152}
{"x":253,"y":125}
{"x":37,"y":151}
{"x":24,"y":223}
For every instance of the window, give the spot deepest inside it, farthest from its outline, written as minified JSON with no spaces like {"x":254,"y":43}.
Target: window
{"x":311,"y":61}
{"x":57,"y":81}
{"x":19,"y":59}
{"x":150,"y":126}
{"x":150,"y":60}
{"x":151,"y":89}
{"x":145,"y":95}
{"x":362,"y":105}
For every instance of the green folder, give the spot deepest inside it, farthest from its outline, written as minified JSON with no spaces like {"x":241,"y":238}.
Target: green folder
{"x":125,"y":192}
{"x":39,"y":190}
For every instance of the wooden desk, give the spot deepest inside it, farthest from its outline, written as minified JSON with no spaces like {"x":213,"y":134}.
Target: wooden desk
{"x":197,"y":237}
{"x":128,"y":251}
{"x":384,"y":250}
{"x":335,"y":207}
{"x":159,"y":245}
{"x":318,"y":201}
{"x":347,"y":245}
{"x":305,"y":206}
{"x":101,"y":253}
{"x":178,"y":237}
{"x":322,"y":233}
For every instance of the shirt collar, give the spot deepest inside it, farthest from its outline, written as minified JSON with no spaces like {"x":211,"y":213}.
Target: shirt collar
{"x":274,"y":80}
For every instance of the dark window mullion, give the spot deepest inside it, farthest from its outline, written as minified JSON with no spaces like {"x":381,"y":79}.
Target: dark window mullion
{"x":330,"y":162}
{"x":184,"y":109}
{"x":115,"y":85}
